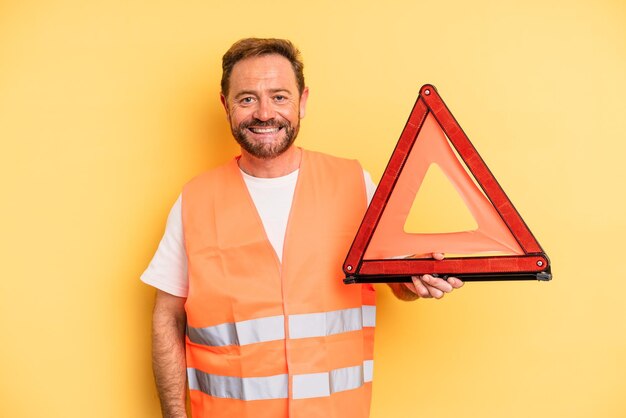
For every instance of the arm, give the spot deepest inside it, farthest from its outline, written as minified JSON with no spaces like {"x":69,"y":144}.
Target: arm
{"x":168,"y":353}
{"x":425,"y":286}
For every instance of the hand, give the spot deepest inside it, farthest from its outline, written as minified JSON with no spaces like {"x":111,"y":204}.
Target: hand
{"x":428,"y":286}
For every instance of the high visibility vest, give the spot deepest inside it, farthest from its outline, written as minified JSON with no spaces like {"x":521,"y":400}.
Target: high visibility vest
{"x":271,"y":339}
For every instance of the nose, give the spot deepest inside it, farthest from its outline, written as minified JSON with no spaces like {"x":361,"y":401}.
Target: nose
{"x":265,"y":110}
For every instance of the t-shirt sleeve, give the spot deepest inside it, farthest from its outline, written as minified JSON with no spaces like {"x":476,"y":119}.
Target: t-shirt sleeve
{"x":168,"y":269}
{"x":370,"y":187}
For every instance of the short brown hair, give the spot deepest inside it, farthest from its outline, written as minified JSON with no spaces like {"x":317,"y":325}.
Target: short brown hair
{"x":256,"y":47}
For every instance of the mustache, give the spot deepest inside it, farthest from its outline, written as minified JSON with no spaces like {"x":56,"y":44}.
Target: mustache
{"x":271,"y":123}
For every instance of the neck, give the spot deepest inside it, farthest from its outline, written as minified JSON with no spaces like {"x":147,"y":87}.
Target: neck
{"x":285,"y":163}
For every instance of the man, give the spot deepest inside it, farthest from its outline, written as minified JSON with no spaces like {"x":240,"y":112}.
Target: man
{"x":249,"y":267}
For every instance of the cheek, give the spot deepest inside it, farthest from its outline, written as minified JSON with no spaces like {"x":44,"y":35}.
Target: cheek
{"x":238,"y":115}
{"x":291,"y":114}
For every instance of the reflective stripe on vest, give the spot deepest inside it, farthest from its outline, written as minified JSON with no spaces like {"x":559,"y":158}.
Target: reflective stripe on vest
{"x":272,"y":328}
{"x":312,"y":385}
{"x":242,"y":388}
{"x":240,"y":333}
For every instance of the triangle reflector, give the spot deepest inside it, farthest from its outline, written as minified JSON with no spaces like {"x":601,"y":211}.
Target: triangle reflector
{"x":500,"y":248}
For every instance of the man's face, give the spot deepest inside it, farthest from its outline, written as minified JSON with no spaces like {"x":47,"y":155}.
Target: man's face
{"x":264,"y":106}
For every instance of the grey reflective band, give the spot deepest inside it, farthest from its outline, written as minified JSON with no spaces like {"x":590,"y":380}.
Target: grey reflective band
{"x":368,"y":370}
{"x":242,"y":388}
{"x":311,"y":385}
{"x":322,"y":324}
{"x":272,"y":328}
{"x":240,"y":333}
{"x":369,"y":315}
{"x":261,"y":330}
{"x":315,"y":385}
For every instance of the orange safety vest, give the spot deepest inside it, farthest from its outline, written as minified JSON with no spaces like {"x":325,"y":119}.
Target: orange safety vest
{"x":266,"y":339}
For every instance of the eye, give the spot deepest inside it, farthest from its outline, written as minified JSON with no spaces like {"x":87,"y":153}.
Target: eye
{"x":280,"y":98}
{"x":247,"y":100}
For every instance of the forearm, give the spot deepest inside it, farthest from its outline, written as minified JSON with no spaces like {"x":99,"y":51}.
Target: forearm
{"x":168,"y":358}
{"x":402,"y":292}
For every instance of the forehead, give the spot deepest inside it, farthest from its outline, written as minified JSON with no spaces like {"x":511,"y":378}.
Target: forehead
{"x":271,"y":71}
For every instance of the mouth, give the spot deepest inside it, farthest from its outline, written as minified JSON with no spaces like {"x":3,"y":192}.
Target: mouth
{"x":264,"y":130}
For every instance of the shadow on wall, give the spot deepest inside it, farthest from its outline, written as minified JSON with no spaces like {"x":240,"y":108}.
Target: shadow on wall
{"x":211,"y":142}
{"x":220,"y":146}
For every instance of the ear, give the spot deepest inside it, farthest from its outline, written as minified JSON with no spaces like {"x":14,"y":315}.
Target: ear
{"x":225,"y":104}
{"x":303,"y":98}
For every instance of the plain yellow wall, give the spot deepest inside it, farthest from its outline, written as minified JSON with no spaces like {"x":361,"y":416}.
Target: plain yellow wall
{"x":108,"y":107}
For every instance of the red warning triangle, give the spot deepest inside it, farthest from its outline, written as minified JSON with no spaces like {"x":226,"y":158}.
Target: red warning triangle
{"x":501,"y":247}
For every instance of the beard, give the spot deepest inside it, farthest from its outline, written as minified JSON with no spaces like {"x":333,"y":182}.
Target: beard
{"x":265,"y":150}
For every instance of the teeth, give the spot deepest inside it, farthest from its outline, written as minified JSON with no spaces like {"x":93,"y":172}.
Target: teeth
{"x":264,"y":130}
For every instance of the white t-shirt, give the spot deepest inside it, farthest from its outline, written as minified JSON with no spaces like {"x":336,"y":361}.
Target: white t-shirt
{"x":272,"y":198}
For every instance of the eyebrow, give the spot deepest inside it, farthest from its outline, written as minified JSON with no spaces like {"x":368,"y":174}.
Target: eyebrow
{"x":254,"y":93}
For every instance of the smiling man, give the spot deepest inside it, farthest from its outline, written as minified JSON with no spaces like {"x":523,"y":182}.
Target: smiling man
{"x":251,"y":310}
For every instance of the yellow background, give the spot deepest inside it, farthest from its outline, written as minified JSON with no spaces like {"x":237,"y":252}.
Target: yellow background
{"x":107,"y":108}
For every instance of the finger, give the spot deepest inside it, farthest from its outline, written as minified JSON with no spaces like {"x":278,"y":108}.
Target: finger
{"x":437,"y":283}
{"x":434,"y":292}
{"x":438,"y":256}
{"x":420,"y":288}
{"x":456,"y":283}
